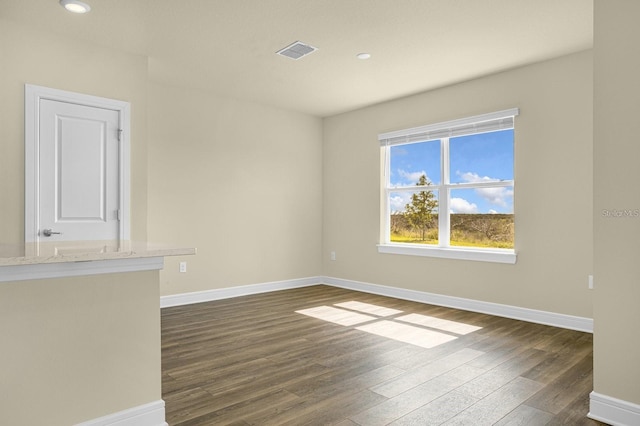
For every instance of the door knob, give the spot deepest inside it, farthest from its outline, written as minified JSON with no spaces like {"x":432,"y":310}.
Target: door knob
{"x":48,"y":232}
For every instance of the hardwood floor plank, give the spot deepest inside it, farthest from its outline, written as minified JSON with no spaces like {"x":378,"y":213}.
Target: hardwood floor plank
{"x":347,"y":422}
{"x":228,"y":393}
{"x":253,"y":360}
{"x":187,"y":404}
{"x":427,"y":356}
{"x":573,"y":414}
{"x":323,"y":410}
{"x":267,"y":404}
{"x":561,"y":360}
{"x":524,"y":415}
{"x":502,"y":349}
{"x":501,"y":375}
{"x":418,"y":376}
{"x":340,"y":380}
{"x":560,"y":393}
{"x":406,"y":402}
{"x":495,"y":406}
{"x":437,"y":411}
{"x":407,"y":333}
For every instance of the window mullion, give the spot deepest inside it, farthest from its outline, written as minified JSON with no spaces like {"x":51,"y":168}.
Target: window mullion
{"x":479,"y":186}
{"x":443,"y":195}
{"x":387,"y":194}
{"x":482,"y":184}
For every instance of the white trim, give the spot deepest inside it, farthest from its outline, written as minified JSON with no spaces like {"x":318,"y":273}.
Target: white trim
{"x":125,"y":172}
{"x":151,"y":414}
{"x":500,"y":120}
{"x":454,"y":186}
{"x":388,"y":137}
{"x":613,"y":411}
{"x":463,"y":253}
{"x":32,"y":96}
{"x":73,"y":269}
{"x":514,"y":312}
{"x":444,"y":194}
{"x":229,"y":292}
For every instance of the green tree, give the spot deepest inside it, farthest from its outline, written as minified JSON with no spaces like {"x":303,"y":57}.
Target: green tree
{"x":419,"y":212}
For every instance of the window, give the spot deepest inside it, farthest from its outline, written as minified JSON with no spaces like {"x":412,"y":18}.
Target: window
{"x":448,"y":189}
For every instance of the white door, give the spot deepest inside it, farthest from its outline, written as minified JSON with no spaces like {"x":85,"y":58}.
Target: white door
{"x":76,"y":166}
{"x":78,"y":172}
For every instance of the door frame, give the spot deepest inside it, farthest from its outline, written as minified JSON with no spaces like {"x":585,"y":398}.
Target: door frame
{"x":32,"y":96}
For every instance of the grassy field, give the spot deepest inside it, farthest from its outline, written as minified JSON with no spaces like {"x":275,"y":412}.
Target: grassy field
{"x":467,"y":230}
{"x":395,"y":238}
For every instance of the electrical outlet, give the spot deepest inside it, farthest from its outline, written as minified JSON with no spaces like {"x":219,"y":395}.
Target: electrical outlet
{"x":591,"y":282}
{"x":183,"y":266}
{"x":333,"y":255}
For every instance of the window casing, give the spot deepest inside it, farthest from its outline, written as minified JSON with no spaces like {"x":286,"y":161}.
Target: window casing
{"x":457,"y":145}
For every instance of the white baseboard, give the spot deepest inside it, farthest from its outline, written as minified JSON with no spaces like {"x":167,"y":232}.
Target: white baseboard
{"x":226,"y":293}
{"x":513,"y":312}
{"x":613,"y":411}
{"x":151,"y":414}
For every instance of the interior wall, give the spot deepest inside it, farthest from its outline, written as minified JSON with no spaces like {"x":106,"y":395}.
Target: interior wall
{"x":553,"y":190}
{"x":617,"y":199}
{"x":241,"y":182}
{"x":79,"y":348}
{"x":28,"y":56}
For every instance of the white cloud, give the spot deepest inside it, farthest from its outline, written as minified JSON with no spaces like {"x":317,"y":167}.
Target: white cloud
{"x":498,"y":196}
{"x":492,"y":211}
{"x":460,"y":205}
{"x":474,"y":177}
{"x":411,"y":177}
{"x":398,"y":202}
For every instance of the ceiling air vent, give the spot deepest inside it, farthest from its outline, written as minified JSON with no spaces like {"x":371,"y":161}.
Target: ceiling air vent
{"x":296,"y":50}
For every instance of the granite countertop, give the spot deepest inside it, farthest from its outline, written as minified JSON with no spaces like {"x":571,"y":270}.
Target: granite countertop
{"x":84,"y":251}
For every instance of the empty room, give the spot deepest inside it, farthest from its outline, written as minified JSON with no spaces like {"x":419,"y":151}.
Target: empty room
{"x":288,"y":212}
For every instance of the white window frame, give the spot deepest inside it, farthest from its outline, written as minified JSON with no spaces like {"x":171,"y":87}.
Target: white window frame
{"x":484,"y":123}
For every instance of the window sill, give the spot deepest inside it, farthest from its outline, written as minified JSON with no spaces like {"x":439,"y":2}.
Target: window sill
{"x":481,"y":255}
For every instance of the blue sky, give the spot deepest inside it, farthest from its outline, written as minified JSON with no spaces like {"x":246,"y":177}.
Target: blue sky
{"x":474,"y":158}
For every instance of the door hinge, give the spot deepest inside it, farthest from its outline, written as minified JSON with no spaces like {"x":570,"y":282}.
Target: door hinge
{"x":119,"y":135}
{"x":119,"y":214}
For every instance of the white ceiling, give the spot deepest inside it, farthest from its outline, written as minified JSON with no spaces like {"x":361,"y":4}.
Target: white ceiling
{"x":228,"y":46}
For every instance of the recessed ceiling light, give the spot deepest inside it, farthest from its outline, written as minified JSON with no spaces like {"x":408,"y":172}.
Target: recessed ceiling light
{"x":75,"y":6}
{"x":363,"y":55}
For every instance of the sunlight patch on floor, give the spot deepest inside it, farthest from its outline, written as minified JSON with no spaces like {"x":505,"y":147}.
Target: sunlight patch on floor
{"x":416,"y":329}
{"x":337,"y":316}
{"x":440,"y":324}
{"x":368,"y":308}
{"x":407,"y":333}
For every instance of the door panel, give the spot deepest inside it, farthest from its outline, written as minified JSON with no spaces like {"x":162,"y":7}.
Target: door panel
{"x":80,"y":155}
{"x":78,"y":172}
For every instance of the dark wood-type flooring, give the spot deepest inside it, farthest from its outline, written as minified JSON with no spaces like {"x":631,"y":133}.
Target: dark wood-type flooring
{"x":253,"y":360}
